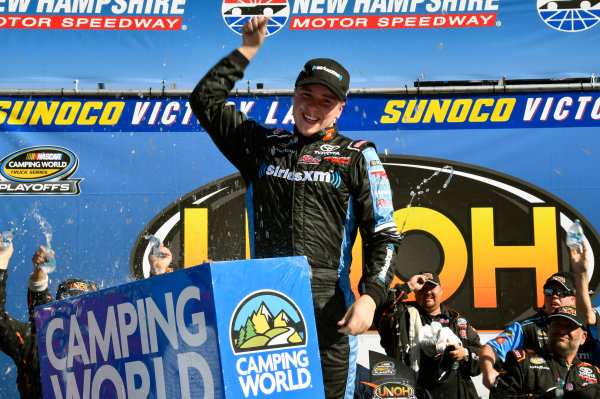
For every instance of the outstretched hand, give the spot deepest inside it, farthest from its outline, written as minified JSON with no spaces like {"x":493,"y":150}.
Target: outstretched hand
{"x":580,"y":259}
{"x":253,"y":35}
{"x":359,"y":316}
{"x":5,"y":255}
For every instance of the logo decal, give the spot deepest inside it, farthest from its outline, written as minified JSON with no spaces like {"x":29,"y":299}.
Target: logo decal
{"x":237,"y":12}
{"x":384,"y":368}
{"x":309,"y":159}
{"x":569,"y":15}
{"x":455,"y":227}
{"x":266,"y":320}
{"x":393,"y":390}
{"x":40,"y":170}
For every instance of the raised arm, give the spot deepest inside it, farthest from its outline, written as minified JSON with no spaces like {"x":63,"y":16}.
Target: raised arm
{"x":580,"y":265}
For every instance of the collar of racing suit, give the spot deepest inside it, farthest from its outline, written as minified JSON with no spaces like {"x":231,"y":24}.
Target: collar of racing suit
{"x":323,"y":135}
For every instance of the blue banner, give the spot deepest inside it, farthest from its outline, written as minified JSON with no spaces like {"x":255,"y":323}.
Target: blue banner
{"x":151,"y":338}
{"x":135,"y":44}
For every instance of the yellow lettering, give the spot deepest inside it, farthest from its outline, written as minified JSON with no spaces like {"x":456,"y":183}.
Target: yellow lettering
{"x":460,"y":110}
{"x":67,"y":113}
{"x":542,"y":256}
{"x":414,"y":116}
{"x":112,"y":113}
{"x":43,"y":112}
{"x":437,"y":110}
{"x":503,"y":109}
{"x":84,"y":118}
{"x":4,"y":105}
{"x":14,"y":118}
{"x":449,"y":237}
{"x":476,"y":116}
{"x":392,"y":109}
{"x":195,"y":236}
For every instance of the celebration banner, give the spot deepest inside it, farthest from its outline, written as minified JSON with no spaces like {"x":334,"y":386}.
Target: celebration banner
{"x":163,"y":337}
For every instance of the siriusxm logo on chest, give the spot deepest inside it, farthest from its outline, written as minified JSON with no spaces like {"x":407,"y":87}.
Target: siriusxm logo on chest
{"x":305,"y":175}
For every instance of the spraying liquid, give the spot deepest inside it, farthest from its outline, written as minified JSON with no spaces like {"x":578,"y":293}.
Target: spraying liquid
{"x":421,"y":189}
{"x":7,"y":238}
{"x":155,"y":243}
{"x":50,"y":264}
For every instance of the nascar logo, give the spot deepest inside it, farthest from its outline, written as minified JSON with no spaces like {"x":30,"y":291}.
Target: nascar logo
{"x":237,"y":12}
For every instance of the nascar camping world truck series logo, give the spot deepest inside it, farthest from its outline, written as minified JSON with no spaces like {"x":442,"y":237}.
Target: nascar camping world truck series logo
{"x":41,"y":170}
{"x":360,"y":14}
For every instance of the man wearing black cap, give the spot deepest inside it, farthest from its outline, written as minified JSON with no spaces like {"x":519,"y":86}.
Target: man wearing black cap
{"x":444,"y":361}
{"x":18,"y":339}
{"x":553,"y":371}
{"x":308,"y":191}
{"x":532,"y":332}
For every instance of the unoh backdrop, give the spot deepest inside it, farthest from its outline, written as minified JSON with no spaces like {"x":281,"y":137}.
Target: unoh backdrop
{"x":523,"y":165}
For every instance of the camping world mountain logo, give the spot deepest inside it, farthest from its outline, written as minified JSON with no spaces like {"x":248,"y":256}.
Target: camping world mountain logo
{"x":266,"y":320}
{"x":237,"y":12}
{"x":569,"y":15}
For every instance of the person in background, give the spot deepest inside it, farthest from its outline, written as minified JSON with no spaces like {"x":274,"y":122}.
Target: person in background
{"x":18,"y":339}
{"x":308,"y":192}
{"x":553,"y":371}
{"x":444,"y":361}
{"x":532,"y":333}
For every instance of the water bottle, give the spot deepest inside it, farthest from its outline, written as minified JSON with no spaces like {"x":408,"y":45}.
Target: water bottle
{"x":155,"y":243}
{"x":575,"y":236}
{"x":560,"y":390}
{"x":7,"y":237}
{"x":50,"y":264}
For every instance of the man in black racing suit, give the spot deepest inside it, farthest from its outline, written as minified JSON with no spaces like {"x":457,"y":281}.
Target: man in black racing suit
{"x":553,"y":371}
{"x":19,"y":339}
{"x":441,"y":373}
{"x":307,"y":193}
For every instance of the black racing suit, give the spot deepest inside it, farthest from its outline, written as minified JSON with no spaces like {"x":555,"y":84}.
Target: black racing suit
{"x":307,"y":196}
{"x":536,"y":374}
{"x":532,"y":333}
{"x":394,"y":324}
{"x":19,"y":341}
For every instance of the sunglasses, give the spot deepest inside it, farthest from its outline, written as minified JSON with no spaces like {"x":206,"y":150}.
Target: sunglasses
{"x":559,"y":292}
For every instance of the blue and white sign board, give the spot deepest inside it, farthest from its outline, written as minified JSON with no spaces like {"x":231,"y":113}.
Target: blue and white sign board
{"x":150,"y":338}
{"x":267,"y":332}
{"x":162,"y":337}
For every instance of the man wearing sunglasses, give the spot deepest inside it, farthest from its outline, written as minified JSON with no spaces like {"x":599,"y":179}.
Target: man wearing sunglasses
{"x":532,"y":332}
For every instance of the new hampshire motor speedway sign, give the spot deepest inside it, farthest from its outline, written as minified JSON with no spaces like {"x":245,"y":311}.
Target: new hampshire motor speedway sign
{"x":163,"y":337}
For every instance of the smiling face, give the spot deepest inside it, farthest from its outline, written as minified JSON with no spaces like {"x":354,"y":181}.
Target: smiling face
{"x":315,"y":108}
{"x":429,"y":298}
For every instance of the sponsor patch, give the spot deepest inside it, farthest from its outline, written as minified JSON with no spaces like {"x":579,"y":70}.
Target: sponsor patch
{"x":537,"y":360}
{"x":309,"y":159}
{"x":384,"y":368}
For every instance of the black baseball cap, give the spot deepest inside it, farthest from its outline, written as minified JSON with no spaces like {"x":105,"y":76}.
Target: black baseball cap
{"x":431,"y":277}
{"x":73,"y":287}
{"x":326,"y":72}
{"x":570,"y":313}
{"x":566,"y":279}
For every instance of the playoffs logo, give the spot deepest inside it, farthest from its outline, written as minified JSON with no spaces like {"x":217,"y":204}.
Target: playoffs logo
{"x":41,"y":170}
